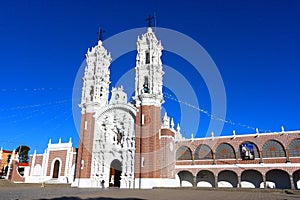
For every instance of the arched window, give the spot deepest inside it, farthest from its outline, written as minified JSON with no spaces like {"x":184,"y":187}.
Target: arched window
{"x":225,"y":151}
{"x":273,"y":148}
{"x":184,"y":153}
{"x":202,"y":152}
{"x":294,"y":148}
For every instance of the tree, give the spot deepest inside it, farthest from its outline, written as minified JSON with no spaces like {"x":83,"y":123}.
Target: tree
{"x":23,"y":150}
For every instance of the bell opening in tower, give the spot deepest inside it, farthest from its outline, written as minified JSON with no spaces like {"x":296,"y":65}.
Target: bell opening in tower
{"x":147,"y":58}
{"x":146,"y":85}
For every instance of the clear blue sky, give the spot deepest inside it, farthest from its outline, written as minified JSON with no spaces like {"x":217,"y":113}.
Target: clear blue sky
{"x":255,"y":45}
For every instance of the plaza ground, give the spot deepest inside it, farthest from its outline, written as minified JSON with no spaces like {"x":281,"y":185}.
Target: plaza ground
{"x":35,"y":191}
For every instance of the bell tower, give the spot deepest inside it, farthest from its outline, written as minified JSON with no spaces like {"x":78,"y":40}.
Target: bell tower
{"x":148,"y":98}
{"x":95,"y":91}
{"x":96,"y":81}
{"x":148,"y":69}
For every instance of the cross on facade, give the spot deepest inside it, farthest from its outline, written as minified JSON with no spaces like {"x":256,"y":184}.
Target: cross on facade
{"x":149,"y":19}
{"x":100,"y":34}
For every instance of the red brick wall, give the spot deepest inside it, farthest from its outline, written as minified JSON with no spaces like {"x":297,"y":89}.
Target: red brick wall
{"x":85,"y":146}
{"x":295,"y":160}
{"x":167,"y":132}
{"x":147,"y":142}
{"x":74,"y":158}
{"x":30,"y":164}
{"x":283,"y":139}
{"x":167,"y":156}
{"x":62,"y":155}
{"x":38,"y":160}
{"x":15,"y":176}
{"x":200,"y":162}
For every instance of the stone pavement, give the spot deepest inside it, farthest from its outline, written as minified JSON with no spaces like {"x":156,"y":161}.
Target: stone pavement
{"x":60,"y":192}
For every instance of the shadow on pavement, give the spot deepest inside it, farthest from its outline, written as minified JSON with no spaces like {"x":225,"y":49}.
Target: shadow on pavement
{"x":98,"y":198}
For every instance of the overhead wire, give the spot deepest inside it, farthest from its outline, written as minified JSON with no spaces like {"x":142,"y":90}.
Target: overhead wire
{"x":212,"y":116}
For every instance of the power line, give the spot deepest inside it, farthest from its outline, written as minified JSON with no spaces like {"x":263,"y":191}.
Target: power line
{"x":212,"y":116}
{"x":35,"y":105}
{"x":40,"y":89}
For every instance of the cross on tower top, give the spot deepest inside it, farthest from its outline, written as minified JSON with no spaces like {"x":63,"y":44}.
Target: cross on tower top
{"x":149,"y":19}
{"x":100,"y":34}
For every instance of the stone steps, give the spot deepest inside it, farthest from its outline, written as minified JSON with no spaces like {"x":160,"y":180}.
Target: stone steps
{"x":56,"y":181}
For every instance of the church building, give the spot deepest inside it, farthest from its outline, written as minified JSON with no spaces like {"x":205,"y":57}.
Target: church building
{"x":123,"y":142}
{"x":130,"y":145}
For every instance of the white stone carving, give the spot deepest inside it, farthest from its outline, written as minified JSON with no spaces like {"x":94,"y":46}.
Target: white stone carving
{"x":114,"y":139}
{"x":118,"y":96}
{"x":165,"y":121}
{"x":96,"y":77}
{"x":148,"y":70}
{"x":178,"y":135}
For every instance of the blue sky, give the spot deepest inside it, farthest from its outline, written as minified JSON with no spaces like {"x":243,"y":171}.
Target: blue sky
{"x":254,"y":44}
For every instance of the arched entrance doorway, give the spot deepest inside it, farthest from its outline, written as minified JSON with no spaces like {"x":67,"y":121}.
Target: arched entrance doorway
{"x":186,"y":179}
{"x":279,"y":178}
{"x":205,"y":178}
{"x":251,"y":179}
{"x":227,"y":178}
{"x":115,"y":173}
{"x":296,"y":178}
{"x":56,"y":169}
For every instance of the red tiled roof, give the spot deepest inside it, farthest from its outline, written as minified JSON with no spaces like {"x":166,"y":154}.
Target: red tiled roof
{"x":7,"y":151}
{"x":23,"y":165}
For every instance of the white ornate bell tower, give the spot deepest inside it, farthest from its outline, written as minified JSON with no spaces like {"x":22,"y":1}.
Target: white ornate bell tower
{"x":94,"y":97}
{"x":148,"y":70}
{"x":148,"y":98}
{"x":96,"y":81}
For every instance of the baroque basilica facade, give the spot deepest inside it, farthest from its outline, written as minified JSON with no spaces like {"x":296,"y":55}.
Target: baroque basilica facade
{"x":120,"y":141}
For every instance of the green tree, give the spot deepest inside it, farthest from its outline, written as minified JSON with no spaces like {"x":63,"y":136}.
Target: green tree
{"x":23,"y":150}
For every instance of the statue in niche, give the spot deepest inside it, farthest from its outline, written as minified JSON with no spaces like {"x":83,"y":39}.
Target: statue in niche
{"x":118,"y":135}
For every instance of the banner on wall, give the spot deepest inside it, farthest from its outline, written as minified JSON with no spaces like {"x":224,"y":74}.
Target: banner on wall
{"x":247,"y":151}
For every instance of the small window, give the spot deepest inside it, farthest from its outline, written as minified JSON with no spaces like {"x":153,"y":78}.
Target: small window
{"x":147,"y":57}
{"x":143,"y":162}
